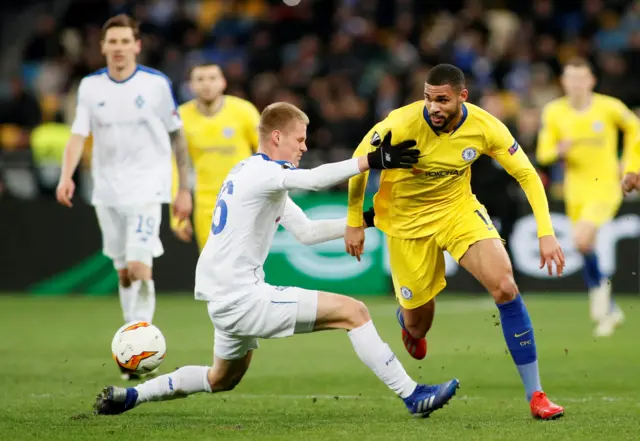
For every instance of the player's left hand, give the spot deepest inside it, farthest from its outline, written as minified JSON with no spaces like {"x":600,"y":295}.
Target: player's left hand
{"x":551,"y":252}
{"x":183,"y":204}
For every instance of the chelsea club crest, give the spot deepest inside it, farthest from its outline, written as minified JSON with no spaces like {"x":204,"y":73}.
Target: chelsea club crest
{"x":469,"y":154}
{"x":598,"y":126}
{"x":228,"y":132}
{"x":406,"y":293}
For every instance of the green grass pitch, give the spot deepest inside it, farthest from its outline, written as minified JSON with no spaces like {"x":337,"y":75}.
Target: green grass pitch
{"x":56,"y":357}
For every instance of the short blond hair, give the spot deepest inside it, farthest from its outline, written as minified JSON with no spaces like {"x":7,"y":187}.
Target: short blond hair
{"x":278,"y":116}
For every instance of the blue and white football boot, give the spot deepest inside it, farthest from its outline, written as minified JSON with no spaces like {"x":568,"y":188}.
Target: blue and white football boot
{"x":426,"y":399}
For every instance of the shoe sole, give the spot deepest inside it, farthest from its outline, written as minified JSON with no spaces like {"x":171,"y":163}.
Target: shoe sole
{"x":103,"y":396}
{"x":550,"y":418}
{"x":430,"y":411}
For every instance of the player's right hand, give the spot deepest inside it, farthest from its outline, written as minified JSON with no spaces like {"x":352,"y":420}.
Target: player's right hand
{"x":182,"y":205}
{"x":64,"y":192}
{"x":354,"y":241}
{"x":630,"y":182}
{"x":183,"y":230}
{"x":393,"y":156}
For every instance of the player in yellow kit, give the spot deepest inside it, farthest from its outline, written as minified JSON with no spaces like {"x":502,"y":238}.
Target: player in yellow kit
{"x":581,"y":129}
{"x":430,"y":209}
{"x":221,"y":130}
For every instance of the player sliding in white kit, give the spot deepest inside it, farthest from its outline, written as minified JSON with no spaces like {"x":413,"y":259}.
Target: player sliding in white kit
{"x":230,"y":277}
{"x":130,"y":112}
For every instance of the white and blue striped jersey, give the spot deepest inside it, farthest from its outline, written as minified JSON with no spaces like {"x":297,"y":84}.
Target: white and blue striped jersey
{"x":130,"y":122}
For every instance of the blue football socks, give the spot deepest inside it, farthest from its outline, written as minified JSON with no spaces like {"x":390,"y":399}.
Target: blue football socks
{"x":592,"y":274}
{"x":518,"y":334}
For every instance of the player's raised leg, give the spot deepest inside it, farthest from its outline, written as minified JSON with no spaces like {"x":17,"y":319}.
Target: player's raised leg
{"x":341,"y":312}
{"x":294,"y":311}
{"x":418,"y":270}
{"x":488,"y":261}
{"x":415,"y":323}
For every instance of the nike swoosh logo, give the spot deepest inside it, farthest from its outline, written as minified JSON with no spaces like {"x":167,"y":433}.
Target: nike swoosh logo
{"x":520,"y":335}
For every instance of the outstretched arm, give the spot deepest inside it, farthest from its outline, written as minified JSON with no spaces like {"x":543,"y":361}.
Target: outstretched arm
{"x":311,"y":232}
{"x":384,"y":156}
{"x":307,"y":231}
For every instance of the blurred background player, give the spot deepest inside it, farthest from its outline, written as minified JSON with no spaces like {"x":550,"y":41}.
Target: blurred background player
{"x":130,"y":112}
{"x":221,"y":130}
{"x":431,"y":208}
{"x":581,"y":130}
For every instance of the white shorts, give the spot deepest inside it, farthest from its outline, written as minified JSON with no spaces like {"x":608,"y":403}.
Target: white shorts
{"x":130,"y":234}
{"x":266,"y":312}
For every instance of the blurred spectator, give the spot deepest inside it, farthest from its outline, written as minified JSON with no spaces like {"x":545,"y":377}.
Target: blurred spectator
{"x":347,"y":63}
{"x":21,"y":108}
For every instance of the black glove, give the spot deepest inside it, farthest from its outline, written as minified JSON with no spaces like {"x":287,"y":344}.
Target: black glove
{"x":392,"y":156}
{"x":368,"y":217}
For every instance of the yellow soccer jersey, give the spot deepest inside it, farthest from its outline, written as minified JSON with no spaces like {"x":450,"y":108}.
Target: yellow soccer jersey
{"x":416,"y":203}
{"x":217,"y":143}
{"x":592,"y":165}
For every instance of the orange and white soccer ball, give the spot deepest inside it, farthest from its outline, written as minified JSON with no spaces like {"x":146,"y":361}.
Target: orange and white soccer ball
{"x":138,"y":347}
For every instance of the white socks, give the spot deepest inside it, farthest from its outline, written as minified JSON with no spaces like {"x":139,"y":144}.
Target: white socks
{"x":128,"y":297}
{"x":379,"y":357}
{"x":138,"y":301}
{"x":178,"y":384}
{"x":146,"y":304}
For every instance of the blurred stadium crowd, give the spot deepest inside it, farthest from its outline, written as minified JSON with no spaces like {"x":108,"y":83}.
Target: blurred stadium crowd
{"x":347,"y":63}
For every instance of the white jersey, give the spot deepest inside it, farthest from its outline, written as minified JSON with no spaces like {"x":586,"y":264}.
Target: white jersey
{"x":252,"y":202}
{"x":130,"y":122}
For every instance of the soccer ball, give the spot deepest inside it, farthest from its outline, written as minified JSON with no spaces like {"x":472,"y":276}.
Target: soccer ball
{"x":138,"y":347}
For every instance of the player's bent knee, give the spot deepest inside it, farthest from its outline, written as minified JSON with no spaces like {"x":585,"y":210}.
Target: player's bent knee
{"x":226,"y":384}
{"x":506,"y":289}
{"x":583,"y":243}
{"x":584,"y":237}
{"x":225,"y":375}
{"x":139,"y":271}
{"x":360,"y":314}
{"x":336,"y":311}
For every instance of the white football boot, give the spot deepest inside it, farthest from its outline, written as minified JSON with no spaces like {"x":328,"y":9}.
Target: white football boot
{"x":607,"y":326}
